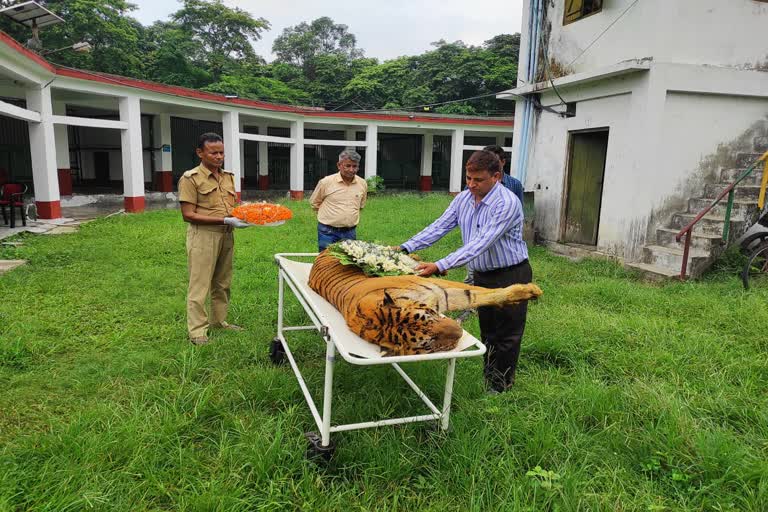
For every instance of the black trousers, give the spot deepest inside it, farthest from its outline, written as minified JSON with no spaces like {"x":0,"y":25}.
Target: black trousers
{"x":501,"y":328}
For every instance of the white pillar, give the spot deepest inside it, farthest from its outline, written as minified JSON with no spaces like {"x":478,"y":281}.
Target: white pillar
{"x":231,"y":127}
{"x":62,"y":137}
{"x":165,"y":160}
{"x":162,"y":154}
{"x":241,"y":129}
{"x":457,"y":155}
{"x":425,"y":180}
{"x":132,"y":153}
{"x":297,"y":159}
{"x":426,"y":154}
{"x":371,"y":149}
{"x":350,"y":134}
{"x":263,"y":157}
{"x":63,"y":165}
{"x":42,"y":143}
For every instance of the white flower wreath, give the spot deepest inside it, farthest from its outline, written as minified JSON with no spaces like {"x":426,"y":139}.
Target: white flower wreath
{"x":373,"y":259}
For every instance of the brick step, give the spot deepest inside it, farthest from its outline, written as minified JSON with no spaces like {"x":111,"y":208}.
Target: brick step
{"x":742,"y":191}
{"x":709,"y":224}
{"x":700,"y":241}
{"x":654,"y":272}
{"x":672,"y":257}
{"x":730,"y":175}
{"x":742,"y":208}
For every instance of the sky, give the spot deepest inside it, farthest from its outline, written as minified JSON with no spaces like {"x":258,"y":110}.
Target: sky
{"x":385,"y":29}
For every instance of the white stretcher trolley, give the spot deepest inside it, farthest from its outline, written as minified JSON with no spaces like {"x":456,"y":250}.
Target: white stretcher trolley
{"x":294,"y":271}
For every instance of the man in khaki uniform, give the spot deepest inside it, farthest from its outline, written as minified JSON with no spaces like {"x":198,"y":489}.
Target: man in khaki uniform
{"x":207,"y":195}
{"x":338,"y":199}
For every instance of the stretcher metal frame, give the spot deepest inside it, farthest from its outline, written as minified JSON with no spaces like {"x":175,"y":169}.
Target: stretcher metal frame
{"x":331,"y":329}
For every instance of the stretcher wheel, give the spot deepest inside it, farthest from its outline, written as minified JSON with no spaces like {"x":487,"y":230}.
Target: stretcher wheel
{"x":277,"y":352}
{"x":316,"y":451}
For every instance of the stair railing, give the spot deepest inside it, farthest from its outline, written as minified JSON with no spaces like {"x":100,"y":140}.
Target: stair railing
{"x":731,"y":193}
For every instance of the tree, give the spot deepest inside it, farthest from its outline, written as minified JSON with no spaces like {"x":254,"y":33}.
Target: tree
{"x":169,"y":57}
{"x":207,"y":45}
{"x":502,"y":52}
{"x":222,"y":34}
{"x":504,"y":45}
{"x":115,"y":37}
{"x":449,"y":72}
{"x":259,"y":88}
{"x":332,"y":74}
{"x":305,"y":43}
{"x":382,"y":84}
{"x":462,"y":109}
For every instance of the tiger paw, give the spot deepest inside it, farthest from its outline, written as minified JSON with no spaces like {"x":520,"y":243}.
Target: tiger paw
{"x":521,"y":292}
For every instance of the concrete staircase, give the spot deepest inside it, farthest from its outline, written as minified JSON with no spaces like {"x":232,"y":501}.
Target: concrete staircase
{"x":664,"y":258}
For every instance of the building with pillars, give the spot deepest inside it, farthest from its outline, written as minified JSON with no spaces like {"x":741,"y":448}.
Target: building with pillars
{"x":66,"y":131}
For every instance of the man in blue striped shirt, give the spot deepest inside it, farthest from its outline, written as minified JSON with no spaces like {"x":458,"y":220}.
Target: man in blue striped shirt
{"x":491,"y":221}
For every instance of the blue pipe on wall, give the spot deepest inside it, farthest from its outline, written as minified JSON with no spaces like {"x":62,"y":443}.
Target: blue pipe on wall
{"x":524,"y":117}
{"x":534,"y":25}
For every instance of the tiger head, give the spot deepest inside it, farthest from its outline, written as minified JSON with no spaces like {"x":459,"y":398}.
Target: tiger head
{"x":412,"y":327}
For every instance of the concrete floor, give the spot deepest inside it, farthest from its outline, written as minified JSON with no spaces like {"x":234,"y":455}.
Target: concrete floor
{"x":78,"y":208}
{"x":6,"y":265}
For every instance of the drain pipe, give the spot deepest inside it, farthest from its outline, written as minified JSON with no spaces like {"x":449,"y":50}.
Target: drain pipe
{"x":532,"y":79}
{"x":534,"y":26}
{"x":532,"y":44}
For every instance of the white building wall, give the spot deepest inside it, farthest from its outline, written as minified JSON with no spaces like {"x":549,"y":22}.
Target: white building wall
{"x":715,"y":32}
{"x":695,"y":127}
{"x":547,"y":164}
{"x":662,"y":148}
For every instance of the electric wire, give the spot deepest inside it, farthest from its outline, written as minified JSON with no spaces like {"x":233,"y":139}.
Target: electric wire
{"x":545,"y":51}
{"x":427,"y":105}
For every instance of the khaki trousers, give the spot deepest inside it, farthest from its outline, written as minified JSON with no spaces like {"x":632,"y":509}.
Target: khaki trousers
{"x":209,"y":257}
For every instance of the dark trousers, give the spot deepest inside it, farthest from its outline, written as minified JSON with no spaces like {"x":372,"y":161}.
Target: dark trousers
{"x":501,"y":328}
{"x":326,"y":235}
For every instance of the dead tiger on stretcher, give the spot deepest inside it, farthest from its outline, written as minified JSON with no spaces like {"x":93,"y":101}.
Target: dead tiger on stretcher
{"x":402,"y":314}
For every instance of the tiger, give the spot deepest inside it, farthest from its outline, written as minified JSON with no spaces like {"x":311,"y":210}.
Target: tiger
{"x":404,"y":314}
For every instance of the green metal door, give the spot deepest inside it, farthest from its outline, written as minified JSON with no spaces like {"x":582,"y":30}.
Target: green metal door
{"x":585,"y":187}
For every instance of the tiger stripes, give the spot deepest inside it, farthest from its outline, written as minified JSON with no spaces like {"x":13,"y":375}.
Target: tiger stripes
{"x":403,"y":314}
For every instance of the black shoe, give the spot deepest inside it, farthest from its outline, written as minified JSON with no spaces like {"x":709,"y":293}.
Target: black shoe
{"x":494,"y":388}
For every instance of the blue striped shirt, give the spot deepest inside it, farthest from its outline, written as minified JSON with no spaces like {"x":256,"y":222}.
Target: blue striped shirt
{"x":492,"y":231}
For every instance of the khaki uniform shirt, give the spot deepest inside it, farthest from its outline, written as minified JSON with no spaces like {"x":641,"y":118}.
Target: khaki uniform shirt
{"x":337,"y":202}
{"x":212,"y":196}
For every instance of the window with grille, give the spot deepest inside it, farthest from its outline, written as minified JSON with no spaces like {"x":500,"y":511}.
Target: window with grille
{"x":577,"y":9}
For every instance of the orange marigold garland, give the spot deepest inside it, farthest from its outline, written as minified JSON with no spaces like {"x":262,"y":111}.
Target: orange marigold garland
{"x":262,"y":213}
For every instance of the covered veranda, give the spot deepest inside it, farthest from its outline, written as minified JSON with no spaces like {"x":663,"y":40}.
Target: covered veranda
{"x":73,"y":132}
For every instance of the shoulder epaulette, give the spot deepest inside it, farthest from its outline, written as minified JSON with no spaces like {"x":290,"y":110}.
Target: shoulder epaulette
{"x":190,"y":173}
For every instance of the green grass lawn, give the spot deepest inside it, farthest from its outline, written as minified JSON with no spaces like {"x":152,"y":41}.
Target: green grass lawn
{"x":629,"y":396}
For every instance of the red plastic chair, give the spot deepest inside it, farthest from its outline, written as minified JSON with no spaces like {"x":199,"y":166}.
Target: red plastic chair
{"x":12,"y":196}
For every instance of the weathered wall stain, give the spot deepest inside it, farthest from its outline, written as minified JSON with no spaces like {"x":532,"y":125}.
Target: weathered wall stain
{"x":725,"y":157}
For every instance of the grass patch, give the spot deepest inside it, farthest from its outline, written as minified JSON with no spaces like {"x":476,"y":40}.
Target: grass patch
{"x":630,"y":396}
